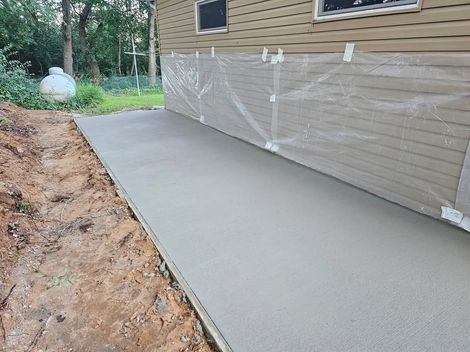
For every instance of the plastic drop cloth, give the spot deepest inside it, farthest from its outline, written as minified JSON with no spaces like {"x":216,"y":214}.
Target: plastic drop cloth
{"x":396,"y":125}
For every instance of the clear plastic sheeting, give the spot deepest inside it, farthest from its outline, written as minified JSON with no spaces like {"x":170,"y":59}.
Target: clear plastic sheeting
{"x":396,"y":125}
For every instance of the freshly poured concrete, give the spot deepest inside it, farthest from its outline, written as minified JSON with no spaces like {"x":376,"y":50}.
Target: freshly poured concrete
{"x":284,"y":258}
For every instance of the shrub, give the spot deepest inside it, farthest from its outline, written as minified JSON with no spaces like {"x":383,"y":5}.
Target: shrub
{"x":5,"y":123}
{"x":17,"y":87}
{"x":89,"y":95}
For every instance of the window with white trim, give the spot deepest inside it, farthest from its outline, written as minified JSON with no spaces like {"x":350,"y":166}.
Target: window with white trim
{"x":345,"y":8}
{"x":211,"y":16}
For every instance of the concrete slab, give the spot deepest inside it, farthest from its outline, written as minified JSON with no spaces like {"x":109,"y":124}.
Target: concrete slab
{"x":284,"y":258}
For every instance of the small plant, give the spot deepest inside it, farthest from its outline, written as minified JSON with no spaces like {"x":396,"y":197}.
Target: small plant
{"x":59,"y":281}
{"x":5,"y":123}
{"x":24,"y":206}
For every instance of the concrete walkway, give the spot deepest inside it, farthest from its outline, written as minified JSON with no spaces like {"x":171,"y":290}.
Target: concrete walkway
{"x":281,"y":257}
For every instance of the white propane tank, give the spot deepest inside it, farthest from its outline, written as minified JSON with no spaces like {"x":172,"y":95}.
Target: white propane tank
{"x":58,"y":86}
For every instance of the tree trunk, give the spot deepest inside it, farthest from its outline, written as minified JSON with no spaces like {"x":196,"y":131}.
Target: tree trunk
{"x":67,"y":32}
{"x":84,"y":41}
{"x":119,"y":55}
{"x":152,"y":68}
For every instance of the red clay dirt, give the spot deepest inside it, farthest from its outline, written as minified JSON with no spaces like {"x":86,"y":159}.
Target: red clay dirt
{"x":77,"y":271}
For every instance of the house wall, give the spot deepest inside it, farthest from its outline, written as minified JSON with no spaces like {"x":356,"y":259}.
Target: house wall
{"x":441,"y":25}
{"x":394,"y":121}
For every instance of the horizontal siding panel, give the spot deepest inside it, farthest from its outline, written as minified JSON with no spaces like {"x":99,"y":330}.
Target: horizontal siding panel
{"x":302,"y":28}
{"x":177,"y":18}
{"x":176,"y":8}
{"x":445,"y":29}
{"x":443,"y":3}
{"x":251,"y":7}
{"x":304,"y":7}
{"x":164,"y":4}
{"x":241,"y":3}
{"x":441,"y":44}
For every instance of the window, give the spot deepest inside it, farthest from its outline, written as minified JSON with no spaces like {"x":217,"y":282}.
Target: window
{"x":211,"y":16}
{"x":326,"y":9}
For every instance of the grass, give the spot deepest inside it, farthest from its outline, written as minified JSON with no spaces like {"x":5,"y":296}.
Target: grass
{"x":115,"y":103}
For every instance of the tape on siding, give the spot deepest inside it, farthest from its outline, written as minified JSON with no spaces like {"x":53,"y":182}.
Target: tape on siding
{"x":271,"y":147}
{"x":212,"y":52}
{"x":264,"y":55}
{"x":275,"y":97}
{"x":172,"y":54}
{"x":280,"y":55}
{"x":197,"y":54}
{"x":348,"y":52}
{"x":451,"y":214}
{"x":278,"y":58}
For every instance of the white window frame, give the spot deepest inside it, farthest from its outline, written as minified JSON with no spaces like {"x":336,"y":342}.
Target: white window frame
{"x":364,"y":13}
{"x":218,"y":30}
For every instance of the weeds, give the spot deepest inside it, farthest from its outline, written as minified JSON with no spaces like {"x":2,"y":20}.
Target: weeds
{"x":24,"y":207}
{"x":5,"y":123}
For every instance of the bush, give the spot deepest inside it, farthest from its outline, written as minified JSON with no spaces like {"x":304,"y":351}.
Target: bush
{"x":89,"y":95}
{"x":17,"y":87}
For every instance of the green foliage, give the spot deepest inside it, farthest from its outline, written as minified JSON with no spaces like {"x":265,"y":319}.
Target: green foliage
{"x":31,"y":28}
{"x":24,"y":206}
{"x":17,"y":87}
{"x":89,"y":95}
{"x":5,"y":123}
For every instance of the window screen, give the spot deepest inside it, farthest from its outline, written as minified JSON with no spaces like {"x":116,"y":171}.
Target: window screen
{"x":211,"y":15}
{"x":333,"y":7}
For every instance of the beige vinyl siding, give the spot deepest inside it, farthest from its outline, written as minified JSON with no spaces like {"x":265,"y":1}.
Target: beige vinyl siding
{"x":441,"y":25}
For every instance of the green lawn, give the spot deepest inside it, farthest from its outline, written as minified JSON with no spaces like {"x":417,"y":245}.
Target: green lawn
{"x":114,"y":103}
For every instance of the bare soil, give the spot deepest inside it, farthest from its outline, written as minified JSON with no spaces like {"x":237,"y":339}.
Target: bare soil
{"x":77,"y":271}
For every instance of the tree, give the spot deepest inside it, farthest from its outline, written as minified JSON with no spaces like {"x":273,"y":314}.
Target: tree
{"x":29,"y":29}
{"x":152,"y":67}
{"x":67,"y":33}
{"x":86,"y":45}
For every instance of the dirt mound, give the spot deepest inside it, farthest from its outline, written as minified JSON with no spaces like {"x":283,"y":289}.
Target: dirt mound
{"x":77,"y":271}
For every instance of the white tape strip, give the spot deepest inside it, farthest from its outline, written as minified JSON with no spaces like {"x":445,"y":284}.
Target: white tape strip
{"x":172,"y":54}
{"x":271,"y":147}
{"x":348,"y":52}
{"x":451,"y":214}
{"x":202,"y":119}
{"x":280,"y":55}
{"x":212,"y":52}
{"x":278,"y":58}
{"x":272,"y":98}
{"x":197,"y":54}
{"x":264,"y":55}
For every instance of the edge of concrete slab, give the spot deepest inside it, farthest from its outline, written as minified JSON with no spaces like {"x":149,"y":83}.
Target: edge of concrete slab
{"x":214,"y":334}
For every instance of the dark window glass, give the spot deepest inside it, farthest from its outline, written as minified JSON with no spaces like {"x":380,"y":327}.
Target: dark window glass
{"x":331,"y":7}
{"x":212,"y":15}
